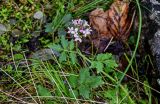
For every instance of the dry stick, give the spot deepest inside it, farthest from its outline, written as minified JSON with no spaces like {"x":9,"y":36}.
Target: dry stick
{"x":18,"y":84}
{"x":108,"y":44}
{"x":14,"y":97}
{"x":31,"y":77}
{"x":65,"y":77}
{"x":132,"y":20}
{"x":55,"y":83}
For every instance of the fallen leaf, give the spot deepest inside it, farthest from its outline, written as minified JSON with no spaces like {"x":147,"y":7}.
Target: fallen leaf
{"x":114,"y":22}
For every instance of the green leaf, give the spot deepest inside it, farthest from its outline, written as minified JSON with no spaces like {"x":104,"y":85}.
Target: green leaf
{"x":67,"y":18}
{"x":73,"y":80}
{"x":64,"y":42}
{"x":93,"y":64}
{"x":84,"y":74}
{"x":48,"y":27}
{"x":56,"y":47}
{"x":18,"y":56}
{"x":111,"y":64}
{"x":71,"y":45}
{"x":99,"y":67}
{"x":73,"y":57}
{"x":84,"y":91}
{"x":75,"y":93}
{"x":42,"y":91}
{"x":111,"y":94}
{"x":95,"y":81}
{"x":63,"y":57}
{"x":103,"y":57}
{"x":61,"y":32}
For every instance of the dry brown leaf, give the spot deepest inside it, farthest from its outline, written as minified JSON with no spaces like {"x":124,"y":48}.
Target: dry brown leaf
{"x":114,"y":22}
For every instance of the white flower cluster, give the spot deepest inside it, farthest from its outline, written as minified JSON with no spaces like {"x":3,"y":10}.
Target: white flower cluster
{"x":80,"y":28}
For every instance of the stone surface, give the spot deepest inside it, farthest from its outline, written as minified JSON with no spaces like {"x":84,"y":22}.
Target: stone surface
{"x":44,"y":54}
{"x":16,"y":33}
{"x":152,"y":36}
{"x":38,"y":15}
{"x":3,"y":29}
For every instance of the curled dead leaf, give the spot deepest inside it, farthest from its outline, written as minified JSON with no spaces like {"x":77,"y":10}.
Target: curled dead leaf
{"x":114,"y":22}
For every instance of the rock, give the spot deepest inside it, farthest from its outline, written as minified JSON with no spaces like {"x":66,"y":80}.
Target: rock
{"x":44,"y":54}
{"x":152,"y":38}
{"x":38,"y":15}
{"x":12,"y":21}
{"x":3,"y":29}
{"x":16,"y":33}
{"x":36,"y":34}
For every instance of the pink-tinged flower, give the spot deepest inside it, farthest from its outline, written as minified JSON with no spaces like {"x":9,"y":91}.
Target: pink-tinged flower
{"x":81,"y":31}
{"x":76,"y":35}
{"x":87,"y":32}
{"x":75,"y":22}
{"x":78,"y":39}
{"x":70,"y":30}
{"x":80,"y":22}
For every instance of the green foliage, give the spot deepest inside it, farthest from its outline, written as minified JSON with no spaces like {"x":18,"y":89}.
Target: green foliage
{"x":104,"y":61}
{"x":117,"y":95}
{"x":59,"y":22}
{"x":147,"y":91}
{"x":42,"y":91}
{"x":85,"y":82}
{"x":66,"y":50}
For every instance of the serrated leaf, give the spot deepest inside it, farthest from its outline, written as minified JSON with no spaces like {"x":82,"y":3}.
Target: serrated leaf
{"x":99,"y":67}
{"x":84,"y":74}
{"x":93,"y":64}
{"x":73,"y":80}
{"x":63,"y":57}
{"x":64,"y":42}
{"x":111,"y":64}
{"x":95,"y":81}
{"x":103,"y":57}
{"x":71,"y":45}
{"x":73,"y":57}
{"x":48,"y":27}
{"x":42,"y":91}
{"x":56,"y":47}
{"x":84,"y":91}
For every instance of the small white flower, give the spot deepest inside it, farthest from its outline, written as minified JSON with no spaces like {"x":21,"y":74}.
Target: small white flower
{"x":76,"y":29}
{"x":70,"y":30}
{"x":80,"y":29}
{"x":76,"y":35}
{"x":78,"y":39}
{"x":80,"y":21}
{"x":74,"y":22}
